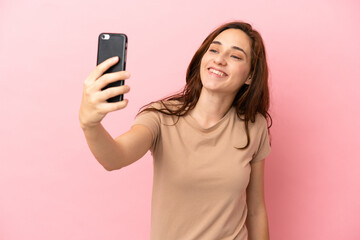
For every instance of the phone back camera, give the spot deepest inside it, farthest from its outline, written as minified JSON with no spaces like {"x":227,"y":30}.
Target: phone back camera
{"x":105,"y":36}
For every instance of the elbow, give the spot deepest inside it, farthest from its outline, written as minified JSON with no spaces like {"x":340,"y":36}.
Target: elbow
{"x":109,"y":165}
{"x":111,"y":168}
{"x":114,"y":164}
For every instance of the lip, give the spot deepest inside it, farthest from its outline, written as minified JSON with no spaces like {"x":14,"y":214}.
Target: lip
{"x":214,"y":74}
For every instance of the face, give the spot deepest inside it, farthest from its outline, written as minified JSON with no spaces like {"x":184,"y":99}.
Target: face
{"x":226,"y":64}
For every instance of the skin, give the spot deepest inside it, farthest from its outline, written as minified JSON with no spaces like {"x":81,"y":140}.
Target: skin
{"x":216,"y":97}
{"x":215,"y":100}
{"x":218,"y":92}
{"x":111,"y":153}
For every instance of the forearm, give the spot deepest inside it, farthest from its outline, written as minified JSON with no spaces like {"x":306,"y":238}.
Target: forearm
{"x":104,"y":148}
{"x":257,"y":225}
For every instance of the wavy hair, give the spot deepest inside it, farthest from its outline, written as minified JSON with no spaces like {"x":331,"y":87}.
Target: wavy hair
{"x":249,"y":100}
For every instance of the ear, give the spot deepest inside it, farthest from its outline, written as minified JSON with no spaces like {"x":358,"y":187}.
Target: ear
{"x":248,"y":80}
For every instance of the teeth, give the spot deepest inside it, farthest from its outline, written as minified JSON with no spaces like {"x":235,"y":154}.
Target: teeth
{"x":217,"y":72}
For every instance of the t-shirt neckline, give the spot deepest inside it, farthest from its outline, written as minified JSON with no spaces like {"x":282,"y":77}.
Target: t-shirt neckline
{"x":194,"y":123}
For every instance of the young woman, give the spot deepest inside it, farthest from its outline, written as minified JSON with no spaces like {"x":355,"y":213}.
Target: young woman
{"x":208,"y":142}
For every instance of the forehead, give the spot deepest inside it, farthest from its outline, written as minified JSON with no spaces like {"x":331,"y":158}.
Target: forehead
{"x":234,"y":37}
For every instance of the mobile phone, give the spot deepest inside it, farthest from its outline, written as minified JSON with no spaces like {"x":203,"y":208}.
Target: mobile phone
{"x":111,"y":45}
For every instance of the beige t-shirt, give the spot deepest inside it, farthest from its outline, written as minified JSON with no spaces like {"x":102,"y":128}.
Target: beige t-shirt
{"x":201,"y":175}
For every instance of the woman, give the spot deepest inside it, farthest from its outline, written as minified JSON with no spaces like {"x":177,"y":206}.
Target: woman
{"x":208,"y":142}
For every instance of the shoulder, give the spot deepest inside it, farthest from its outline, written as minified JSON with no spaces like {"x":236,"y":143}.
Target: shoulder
{"x":260,"y":121}
{"x":163,"y":105}
{"x":258,"y":127}
{"x":164,"y":111}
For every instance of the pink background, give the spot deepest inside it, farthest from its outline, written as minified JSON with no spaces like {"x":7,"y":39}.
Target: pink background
{"x":52,"y":188}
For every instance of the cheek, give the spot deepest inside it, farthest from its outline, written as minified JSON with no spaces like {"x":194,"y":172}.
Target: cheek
{"x":202,"y":67}
{"x":203,"y":62}
{"x":242,"y":75}
{"x":243,"y":71}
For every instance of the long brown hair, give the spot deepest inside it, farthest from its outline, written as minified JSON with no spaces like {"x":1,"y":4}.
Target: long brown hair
{"x":249,"y":100}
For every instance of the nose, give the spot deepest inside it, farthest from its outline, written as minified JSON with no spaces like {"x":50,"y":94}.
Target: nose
{"x":220,"y":59}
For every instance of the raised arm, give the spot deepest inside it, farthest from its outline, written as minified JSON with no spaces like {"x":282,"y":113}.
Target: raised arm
{"x":111,"y":153}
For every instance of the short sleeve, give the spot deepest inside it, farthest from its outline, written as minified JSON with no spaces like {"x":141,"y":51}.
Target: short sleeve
{"x":151,"y":120}
{"x":262,"y":138}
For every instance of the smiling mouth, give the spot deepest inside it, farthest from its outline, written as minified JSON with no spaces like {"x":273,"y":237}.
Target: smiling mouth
{"x":217,"y":72}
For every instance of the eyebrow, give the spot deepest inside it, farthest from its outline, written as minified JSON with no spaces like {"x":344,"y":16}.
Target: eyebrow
{"x":233,"y":47}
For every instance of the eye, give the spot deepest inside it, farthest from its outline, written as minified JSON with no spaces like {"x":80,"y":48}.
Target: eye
{"x":213,"y":50}
{"x":236,"y":57}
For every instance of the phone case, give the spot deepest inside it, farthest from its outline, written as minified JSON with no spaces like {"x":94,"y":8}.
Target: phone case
{"x":111,"y":45}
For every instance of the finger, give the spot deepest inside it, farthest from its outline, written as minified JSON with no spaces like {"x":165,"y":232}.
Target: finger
{"x":112,"y":92}
{"x":101,"y":68}
{"x":104,"y":80}
{"x":110,"y":107}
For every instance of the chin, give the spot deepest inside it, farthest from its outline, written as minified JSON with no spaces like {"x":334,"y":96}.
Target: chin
{"x":213,"y":88}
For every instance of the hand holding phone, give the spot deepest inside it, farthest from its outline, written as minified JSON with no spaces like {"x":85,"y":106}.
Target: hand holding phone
{"x":111,"y":45}
{"x":96,"y":92}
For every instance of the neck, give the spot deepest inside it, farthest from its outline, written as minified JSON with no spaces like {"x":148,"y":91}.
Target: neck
{"x":211,"y":107}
